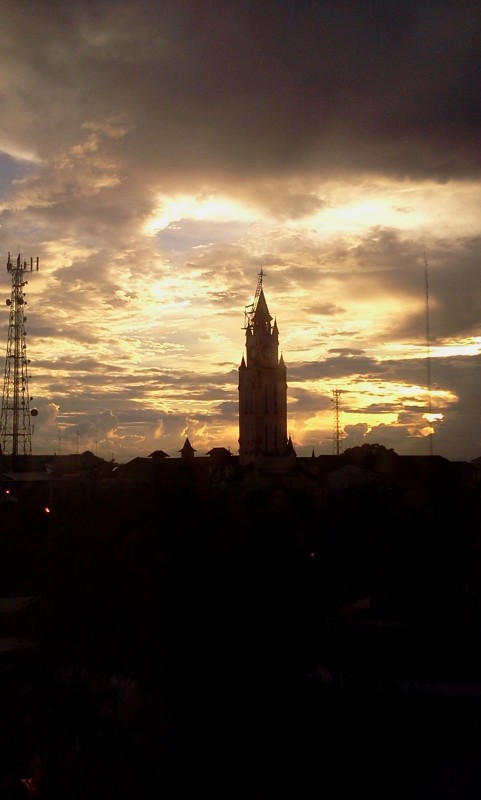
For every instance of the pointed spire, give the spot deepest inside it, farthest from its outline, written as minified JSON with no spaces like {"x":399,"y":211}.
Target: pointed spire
{"x":261,"y":314}
{"x":187,"y":450}
{"x":290,"y":447}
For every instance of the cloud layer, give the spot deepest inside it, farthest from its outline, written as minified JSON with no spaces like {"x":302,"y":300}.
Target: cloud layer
{"x":156,"y":156}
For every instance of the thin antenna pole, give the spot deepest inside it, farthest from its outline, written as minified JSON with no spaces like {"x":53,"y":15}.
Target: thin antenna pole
{"x":428,"y":351}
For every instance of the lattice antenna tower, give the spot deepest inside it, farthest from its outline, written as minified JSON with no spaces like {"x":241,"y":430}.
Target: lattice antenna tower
{"x":15,"y":420}
{"x":250,"y":309}
{"x":336,"y":395}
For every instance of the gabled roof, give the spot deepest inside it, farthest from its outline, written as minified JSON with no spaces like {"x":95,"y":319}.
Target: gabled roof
{"x":217,"y":451}
{"x":159,"y":454}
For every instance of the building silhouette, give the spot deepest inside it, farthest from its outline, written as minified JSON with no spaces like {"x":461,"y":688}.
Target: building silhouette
{"x":266,"y":452}
{"x":262,"y":387}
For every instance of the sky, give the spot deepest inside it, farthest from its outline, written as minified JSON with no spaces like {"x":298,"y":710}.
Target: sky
{"x":156,"y":156}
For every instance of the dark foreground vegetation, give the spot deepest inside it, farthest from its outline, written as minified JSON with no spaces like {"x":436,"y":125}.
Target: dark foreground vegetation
{"x":171,"y":629}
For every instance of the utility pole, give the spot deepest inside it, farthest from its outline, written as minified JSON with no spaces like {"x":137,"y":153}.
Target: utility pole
{"x":15,"y":422}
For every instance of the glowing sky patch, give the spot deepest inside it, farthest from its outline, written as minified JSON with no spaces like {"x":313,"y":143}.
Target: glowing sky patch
{"x":155,"y":168}
{"x":201,"y":208}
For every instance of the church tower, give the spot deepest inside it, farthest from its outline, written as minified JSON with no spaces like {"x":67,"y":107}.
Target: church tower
{"x":262,"y":386}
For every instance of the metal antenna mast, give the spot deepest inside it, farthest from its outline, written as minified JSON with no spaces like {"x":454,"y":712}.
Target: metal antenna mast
{"x":15,"y":425}
{"x":259,"y":286}
{"x":336,"y":394}
{"x":249,"y":310}
{"x":428,"y":352}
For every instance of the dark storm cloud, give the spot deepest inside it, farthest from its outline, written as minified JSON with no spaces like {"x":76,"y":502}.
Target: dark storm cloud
{"x":124,"y":106}
{"x":337,"y":367}
{"x":72,"y":365}
{"x":252,"y":88}
{"x":324,"y":309}
{"x":453,"y":291}
{"x":443,"y":279}
{"x":383,"y":408}
{"x":228,"y":410}
{"x":309,"y":401}
{"x":345,"y":351}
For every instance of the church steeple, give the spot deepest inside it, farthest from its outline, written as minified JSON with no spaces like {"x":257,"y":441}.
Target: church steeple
{"x":262,"y":385}
{"x":261,"y":319}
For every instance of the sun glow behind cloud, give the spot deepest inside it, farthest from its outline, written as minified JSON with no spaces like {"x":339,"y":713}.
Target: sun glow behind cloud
{"x":165,"y":318}
{"x":154,"y":198}
{"x":344,"y":208}
{"x":205,"y":208}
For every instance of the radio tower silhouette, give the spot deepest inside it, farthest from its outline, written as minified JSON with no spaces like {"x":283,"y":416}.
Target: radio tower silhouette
{"x":15,"y":420}
{"x":336,"y":394}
